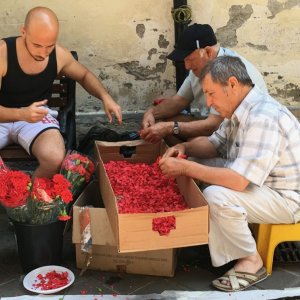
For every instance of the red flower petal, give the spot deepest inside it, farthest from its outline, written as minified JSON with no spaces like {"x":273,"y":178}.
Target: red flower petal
{"x":142,"y":188}
{"x":164,"y":224}
{"x":51,"y":280}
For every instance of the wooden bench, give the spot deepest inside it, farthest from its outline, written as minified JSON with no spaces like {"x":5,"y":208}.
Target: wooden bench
{"x":62,"y":100}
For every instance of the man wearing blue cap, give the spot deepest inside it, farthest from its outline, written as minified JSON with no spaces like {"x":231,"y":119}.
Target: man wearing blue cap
{"x":197,"y":46}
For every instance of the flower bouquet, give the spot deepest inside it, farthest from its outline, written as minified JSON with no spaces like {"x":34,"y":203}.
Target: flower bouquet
{"x":14,"y":191}
{"x":44,"y":200}
{"x":48,"y":199}
{"x":78,"y":169}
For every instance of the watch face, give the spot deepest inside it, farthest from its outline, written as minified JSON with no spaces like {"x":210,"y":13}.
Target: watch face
{"x":176,"y":128}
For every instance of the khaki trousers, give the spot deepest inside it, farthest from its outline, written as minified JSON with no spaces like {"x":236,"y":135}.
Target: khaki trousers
{"x":230,"y":212}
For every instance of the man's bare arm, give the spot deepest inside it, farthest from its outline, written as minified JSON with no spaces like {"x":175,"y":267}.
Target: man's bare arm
{"x":168,"y":108}
{"x":73,"y":69}
{"x":200,"y":127}
{"x":31,"y":114}
{"x":173,"y":165}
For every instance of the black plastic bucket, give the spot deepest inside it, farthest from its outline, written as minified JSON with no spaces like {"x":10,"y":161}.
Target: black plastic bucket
{"x":39,"y":245}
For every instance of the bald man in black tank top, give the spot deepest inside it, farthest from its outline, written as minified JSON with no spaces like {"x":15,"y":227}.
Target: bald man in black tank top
{"x":28,"y":66}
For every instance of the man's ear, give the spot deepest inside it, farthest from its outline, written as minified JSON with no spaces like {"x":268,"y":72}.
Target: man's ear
{"x":232,"y":82}
{"x":210,"y":52}
{"x":22,"y":31}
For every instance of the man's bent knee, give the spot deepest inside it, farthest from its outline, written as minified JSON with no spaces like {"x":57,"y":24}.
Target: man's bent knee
{"x":52,"y":156}
{"x":49,"y":149}
{"x":49,"y":165}
{"x":215,"y":194}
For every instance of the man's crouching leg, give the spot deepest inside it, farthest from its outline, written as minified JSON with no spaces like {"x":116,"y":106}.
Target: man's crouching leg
{"x":49,"y":149}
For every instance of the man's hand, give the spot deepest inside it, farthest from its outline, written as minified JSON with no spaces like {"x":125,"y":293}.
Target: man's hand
{"x":110,"y":106}
{"x":148,"y":119}
{"x":173,"y":162}
{"x":34,"y":112}
{"x":156,"y":132}
{"x":173,"y":166}
{"x":176,"y":151}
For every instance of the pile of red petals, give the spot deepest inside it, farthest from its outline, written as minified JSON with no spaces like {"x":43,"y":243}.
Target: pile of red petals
{"x":142,"y":188}
{"x":51,"y":280}
{"x":164,"y":224}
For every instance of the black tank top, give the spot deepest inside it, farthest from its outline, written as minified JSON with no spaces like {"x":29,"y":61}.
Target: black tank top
{"x":19,"y":89}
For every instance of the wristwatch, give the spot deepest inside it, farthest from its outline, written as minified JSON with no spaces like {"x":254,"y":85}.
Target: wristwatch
{"x":176,"y":128}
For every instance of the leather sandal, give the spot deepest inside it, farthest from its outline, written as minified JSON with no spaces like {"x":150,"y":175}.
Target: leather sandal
{"x":239,"y":280}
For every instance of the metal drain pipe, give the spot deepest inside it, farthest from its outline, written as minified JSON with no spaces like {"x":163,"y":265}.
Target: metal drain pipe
{"x":182,"y":17}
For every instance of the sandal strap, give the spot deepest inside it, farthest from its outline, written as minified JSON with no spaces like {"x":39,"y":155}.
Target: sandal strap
{"x":238,"y":279}
{"x":235,"y":284}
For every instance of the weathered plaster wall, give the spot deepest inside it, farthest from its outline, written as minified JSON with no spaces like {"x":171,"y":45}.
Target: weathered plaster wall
{"x":266,"y":32}
{"x":125,"y":43}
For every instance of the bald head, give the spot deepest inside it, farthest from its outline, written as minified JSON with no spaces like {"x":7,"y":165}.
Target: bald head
{"x":43,"y":19}
{"x":40,"y":32}
{"x":40,"y":14}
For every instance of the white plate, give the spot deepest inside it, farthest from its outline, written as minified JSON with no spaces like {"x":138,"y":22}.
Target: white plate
{"x":31,"y":278}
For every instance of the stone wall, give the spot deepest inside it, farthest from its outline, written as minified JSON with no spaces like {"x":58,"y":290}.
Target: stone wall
{"x":266,"y":33}
{"x":125,"y":43}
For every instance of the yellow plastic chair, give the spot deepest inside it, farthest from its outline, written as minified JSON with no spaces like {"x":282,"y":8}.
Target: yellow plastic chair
{"x":268,"y":236}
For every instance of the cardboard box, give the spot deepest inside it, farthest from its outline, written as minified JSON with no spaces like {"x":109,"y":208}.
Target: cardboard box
{"x":133,"y":232}
{"x":105,"y":255}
